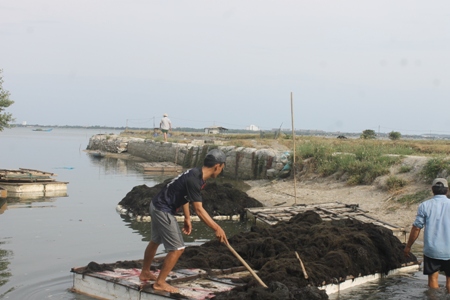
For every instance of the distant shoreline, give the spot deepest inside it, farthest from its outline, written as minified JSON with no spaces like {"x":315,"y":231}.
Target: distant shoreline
{"x":299,"y":132}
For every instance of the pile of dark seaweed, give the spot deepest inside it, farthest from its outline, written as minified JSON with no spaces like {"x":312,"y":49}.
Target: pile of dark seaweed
{"x":218,"y":199}
{"x":330,"y":250}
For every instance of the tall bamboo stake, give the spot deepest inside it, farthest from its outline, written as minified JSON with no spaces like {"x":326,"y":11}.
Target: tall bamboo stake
{"x":293,"y":139}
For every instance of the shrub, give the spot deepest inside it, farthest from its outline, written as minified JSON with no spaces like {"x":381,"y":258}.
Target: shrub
{"x":394,"y":183}
{"x":394,"y":135}
{"x":405,"y":169}
{"x":368,"y":134}
{"x":436,"y":167}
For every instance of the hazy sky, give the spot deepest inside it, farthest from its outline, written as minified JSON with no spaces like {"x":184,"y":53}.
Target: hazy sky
{"x":351,"y":65}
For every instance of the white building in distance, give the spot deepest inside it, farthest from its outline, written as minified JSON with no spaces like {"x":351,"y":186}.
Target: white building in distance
{"x":252,"y":128}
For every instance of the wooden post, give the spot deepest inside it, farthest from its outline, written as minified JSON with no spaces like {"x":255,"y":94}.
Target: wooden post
{"x":293,"y":155}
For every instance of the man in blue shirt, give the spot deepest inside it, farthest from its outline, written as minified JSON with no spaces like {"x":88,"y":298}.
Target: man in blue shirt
{"x":434,"y":215}
{"x":177,"y":194}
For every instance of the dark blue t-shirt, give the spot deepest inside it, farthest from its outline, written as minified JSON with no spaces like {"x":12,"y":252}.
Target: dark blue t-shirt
{"x":182,"y":189}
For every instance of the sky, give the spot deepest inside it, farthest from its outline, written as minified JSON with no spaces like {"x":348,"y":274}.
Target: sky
{"x":338,"y":66}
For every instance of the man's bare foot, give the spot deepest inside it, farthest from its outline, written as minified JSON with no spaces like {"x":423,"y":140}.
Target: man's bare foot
{"x":165,"y":287}
{"x":146,"y":276}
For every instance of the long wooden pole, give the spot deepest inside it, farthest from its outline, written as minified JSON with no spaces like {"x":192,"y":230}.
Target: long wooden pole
{"x":246,"y":265}
{"x":302,"y":265}
{"x":293,"y":157}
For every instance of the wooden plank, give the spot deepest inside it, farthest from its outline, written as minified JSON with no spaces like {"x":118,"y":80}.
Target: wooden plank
{"x":162,"y":169}
{"x":38,"y":171}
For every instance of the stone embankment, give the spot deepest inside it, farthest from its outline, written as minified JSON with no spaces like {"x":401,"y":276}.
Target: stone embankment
{"x":242,"y":163}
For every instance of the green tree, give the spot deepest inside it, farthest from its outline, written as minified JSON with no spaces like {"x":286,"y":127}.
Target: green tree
{"x":368,"y":134}
{"x":5,"y":118}
{"x":395,"y":135}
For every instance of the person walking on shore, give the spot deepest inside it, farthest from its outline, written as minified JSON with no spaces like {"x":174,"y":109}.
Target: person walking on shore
{"x":179,"y":193}
{"x":165,"y":126}
{"x":434,"y":215}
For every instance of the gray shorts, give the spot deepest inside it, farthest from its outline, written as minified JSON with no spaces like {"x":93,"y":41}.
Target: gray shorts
{"x":165,"y":230}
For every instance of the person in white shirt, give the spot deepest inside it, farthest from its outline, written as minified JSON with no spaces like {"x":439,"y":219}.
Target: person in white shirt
{"x":165,"y":126}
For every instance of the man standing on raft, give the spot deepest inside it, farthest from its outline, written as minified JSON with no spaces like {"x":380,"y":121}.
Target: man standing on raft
{"x":179,"y":192}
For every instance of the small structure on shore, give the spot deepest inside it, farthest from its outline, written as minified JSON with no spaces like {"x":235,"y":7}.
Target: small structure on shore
{"x":214,"y":129}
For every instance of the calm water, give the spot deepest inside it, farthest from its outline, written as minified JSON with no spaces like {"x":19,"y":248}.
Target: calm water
{"x":42,"y":239}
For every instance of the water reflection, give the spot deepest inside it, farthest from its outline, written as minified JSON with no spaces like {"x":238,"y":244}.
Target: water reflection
{"x":3,"y":205}
{"x":28,"y":201}
{"x":110,"y":165}
{"x":4,"y":263}
{"x":200,"y":231}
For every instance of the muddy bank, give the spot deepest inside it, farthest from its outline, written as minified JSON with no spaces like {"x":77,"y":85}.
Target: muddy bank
{"x":218,"y":199}
{"x":330,"y":250}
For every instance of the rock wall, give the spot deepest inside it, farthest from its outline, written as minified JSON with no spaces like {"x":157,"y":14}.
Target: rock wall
{"x":242,"y":163}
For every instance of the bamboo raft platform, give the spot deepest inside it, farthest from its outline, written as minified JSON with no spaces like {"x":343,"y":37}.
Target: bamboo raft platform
{"x":194,"y":284}
{"x":3,"y":193}
{"x":327,"y":211}
{"x":160,"y":167}
{"x":18,"y":182}
{"x":25,"y":175}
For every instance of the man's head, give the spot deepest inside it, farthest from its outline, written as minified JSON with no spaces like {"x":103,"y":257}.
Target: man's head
{"x":215,"y":159}
{"x":439,"y":186}
{"x":165,"y":115}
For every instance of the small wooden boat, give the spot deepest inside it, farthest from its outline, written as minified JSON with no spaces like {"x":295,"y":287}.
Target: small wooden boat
{"x":97,"y":154}
{"x":42,"y":129}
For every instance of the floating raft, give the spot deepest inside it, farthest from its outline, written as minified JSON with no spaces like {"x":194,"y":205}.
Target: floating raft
{"x":30,"y":181}
{"x":193,"y":284}
{"x":3,"y":193}
{"x":160,"y":167}
{"x":327,"y":211}
{"x":25,"y":175}
{"x":124,"y":284}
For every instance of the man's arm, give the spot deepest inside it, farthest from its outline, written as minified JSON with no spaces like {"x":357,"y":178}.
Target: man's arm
{"x":413,"y":235}
{"x":187,"y":219}
{"x":204,"y":216}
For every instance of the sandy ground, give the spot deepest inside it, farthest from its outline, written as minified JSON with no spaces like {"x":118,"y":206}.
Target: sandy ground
{"x":375,"y":199}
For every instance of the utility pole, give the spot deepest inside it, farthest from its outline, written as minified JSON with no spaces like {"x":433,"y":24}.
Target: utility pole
{"x":293,"y":156}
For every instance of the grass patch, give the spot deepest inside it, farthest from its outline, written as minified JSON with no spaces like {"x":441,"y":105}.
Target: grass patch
{"x":415,"y":198}
{"x":405,"y":169}
{"x":394,"y":183}
{"x":362,"y":162}
{"x":436,"y":167}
